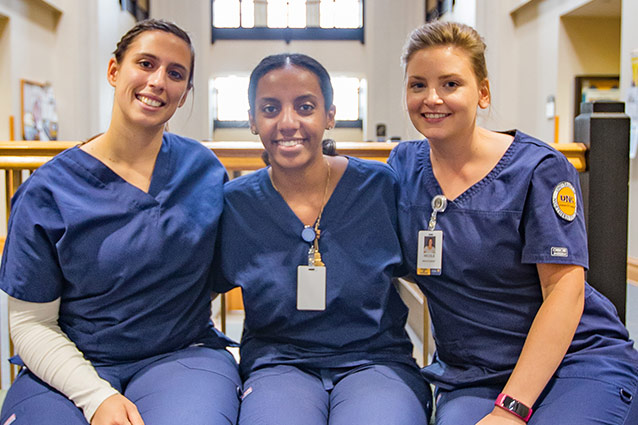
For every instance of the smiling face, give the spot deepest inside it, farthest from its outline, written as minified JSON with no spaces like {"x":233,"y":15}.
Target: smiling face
{"x":442,"y":92}
{"x":290,"y":116}
{"x":151,"y":81}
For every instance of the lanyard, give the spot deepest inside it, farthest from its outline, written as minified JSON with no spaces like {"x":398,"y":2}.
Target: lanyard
{"x":312,"y":233}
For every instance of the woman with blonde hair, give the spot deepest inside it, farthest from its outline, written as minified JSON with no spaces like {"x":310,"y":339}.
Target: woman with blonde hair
{"x":520,"y":336}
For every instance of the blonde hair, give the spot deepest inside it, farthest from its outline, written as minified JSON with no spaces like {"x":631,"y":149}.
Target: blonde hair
{"x":440,"y":33}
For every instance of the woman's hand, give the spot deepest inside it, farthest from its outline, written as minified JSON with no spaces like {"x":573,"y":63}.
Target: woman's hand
{"x":117,"y":410}
{"x":499,"y":416}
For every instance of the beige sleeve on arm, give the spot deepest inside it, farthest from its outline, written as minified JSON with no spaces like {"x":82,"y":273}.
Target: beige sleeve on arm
{"x":53,"y":357}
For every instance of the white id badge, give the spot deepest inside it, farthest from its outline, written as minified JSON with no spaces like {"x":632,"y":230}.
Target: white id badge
{"x":428,"y":261}
{"x":311,"y":288}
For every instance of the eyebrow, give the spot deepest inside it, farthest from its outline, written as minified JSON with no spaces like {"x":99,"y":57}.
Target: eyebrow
{"x":268,"y":100}
{"x":297,"y":99}
{"x":440,"y":78}
{"x":308,"y":96}
{"x":452,"y":75}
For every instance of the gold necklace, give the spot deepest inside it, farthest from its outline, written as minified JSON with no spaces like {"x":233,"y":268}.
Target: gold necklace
{"x":314,"y":256}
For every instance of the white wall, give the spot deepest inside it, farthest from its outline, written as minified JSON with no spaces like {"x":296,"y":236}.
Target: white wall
{"x":497,"y":28}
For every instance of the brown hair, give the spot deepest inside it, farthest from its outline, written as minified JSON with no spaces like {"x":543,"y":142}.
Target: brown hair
{"x":154,"y":25}
{"x":440,"y":33}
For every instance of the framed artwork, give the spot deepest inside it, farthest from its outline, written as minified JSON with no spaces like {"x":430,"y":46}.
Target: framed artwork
{"x":38,"y":115}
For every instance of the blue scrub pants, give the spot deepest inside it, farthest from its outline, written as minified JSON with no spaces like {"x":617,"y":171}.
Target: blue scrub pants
{"x":375,"y":394}
{"x":565,"y":401}
{"x":195,"y":386}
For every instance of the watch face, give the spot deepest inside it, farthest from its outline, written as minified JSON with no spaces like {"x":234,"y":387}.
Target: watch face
{"x":514,"y":406}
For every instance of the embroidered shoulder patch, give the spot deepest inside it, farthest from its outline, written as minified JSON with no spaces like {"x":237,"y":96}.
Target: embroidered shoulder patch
{"x":564,"y":201}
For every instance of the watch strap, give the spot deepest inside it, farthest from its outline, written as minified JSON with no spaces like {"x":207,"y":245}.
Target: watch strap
{"x":513,"y":406}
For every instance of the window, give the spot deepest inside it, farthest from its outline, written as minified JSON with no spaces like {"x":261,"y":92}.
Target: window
{"x":347,"y":100}
{"x":230,"y":102}
{"x":340,"y":14}
{"x":287,"y":19}
{"x":229,"y":97}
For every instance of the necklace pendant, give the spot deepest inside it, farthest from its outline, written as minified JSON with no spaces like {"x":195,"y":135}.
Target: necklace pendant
{"x":317,"y":259}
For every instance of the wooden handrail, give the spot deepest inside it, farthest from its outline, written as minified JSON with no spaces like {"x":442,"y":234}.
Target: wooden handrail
{"x":236,"y":156}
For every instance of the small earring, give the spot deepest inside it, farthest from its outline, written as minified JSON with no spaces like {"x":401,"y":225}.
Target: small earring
{"x":254,"y":131}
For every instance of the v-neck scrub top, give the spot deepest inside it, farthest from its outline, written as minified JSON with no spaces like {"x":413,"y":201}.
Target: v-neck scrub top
{"x":494,"y":234}
{"x":131,"y":268}
{"x":261,"y":247}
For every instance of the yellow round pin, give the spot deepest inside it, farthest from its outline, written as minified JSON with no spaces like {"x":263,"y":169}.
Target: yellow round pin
{"x":564,"y":201}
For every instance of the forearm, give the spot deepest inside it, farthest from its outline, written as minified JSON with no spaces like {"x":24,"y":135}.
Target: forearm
{"x":549,"y":337}
{"x":53,"y":357}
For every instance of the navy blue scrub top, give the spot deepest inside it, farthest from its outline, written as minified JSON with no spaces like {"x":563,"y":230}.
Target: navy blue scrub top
{"x":261,"y":247}
{"x":132,"y":268}
{"x":494,"y":234}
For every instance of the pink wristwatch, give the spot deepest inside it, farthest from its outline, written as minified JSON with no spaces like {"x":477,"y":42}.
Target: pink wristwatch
{"x":513,"y":406}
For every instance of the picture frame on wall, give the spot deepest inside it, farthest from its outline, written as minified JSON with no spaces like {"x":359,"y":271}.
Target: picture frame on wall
{"x":38,"y":113}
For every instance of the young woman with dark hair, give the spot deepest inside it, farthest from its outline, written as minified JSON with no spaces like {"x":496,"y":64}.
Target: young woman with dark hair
{"x":107,"y":262}
{"x":312,"y":241}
